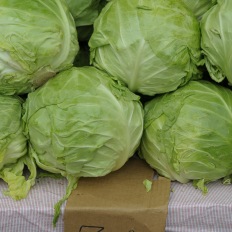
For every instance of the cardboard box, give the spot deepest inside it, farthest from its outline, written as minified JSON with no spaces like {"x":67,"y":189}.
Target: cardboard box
{"x":119,"y":202}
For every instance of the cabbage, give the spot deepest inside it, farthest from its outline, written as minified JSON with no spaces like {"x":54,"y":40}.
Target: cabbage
{"x":216,"y":41}
{"x":38,"y":39}
{"x":152,"y":46}
{"x":13,"y":149}
{"x":199,"y":7}
{"x":82,"y":123}
{"x":188,"y":133}
{"x":85,"y":12}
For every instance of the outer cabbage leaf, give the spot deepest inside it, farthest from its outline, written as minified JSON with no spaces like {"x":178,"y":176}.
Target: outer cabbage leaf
{"x":13,"y":149}
{"x":188,"y":133}
{"x":199,"y":7}
{"x":216,"y":41}
{"x":152,"y":46}
{"x":82,"y":123}
{"x":38,"y":39}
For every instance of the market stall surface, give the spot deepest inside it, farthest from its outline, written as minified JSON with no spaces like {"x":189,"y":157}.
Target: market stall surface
{"x":188,"y":210}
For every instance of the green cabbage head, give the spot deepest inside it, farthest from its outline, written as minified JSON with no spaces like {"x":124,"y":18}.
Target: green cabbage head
{"x":188,"y":133}
{"x":38,"y":39}
{"x":152,"y":46}
{"x":216,"y":41}
{"x":82,"y":123}
{"x":13,"y":149}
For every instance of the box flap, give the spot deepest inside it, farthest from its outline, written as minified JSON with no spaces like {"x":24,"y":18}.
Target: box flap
{"x":119,"y":202}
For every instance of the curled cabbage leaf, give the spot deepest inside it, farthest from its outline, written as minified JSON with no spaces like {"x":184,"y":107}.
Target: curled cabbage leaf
{"x":188,"y":133}
{"x":13,"y":149}
{"x":151,"y":46}
{"x":38,"y":39}
{"x":82,"y":123}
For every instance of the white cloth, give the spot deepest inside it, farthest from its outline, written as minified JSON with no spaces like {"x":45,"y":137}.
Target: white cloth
{"x":191,"y":211}
{"x":35,"y":213}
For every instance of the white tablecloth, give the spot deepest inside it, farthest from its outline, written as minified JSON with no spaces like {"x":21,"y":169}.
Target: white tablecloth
{"x":191,"y":211}
{"x":188,"y":209}
{"x":35,"y":213}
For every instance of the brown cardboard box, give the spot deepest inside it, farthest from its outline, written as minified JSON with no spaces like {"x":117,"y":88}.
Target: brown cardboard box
{"x":119,"y":202}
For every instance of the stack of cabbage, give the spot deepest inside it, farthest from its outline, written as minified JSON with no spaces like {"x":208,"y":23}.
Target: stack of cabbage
{"x":150,"y":76}
{"x":170,"y":53}
{"x":80,"y":123}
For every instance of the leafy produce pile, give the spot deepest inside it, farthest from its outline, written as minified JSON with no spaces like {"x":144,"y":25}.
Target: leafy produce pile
{"x":85,"y":85}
